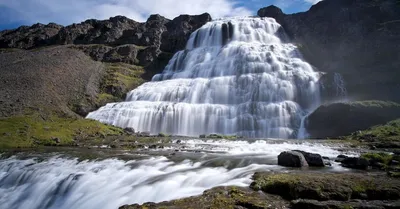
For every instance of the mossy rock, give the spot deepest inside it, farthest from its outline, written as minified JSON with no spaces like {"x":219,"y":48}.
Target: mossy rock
{"x":220,"y":198}
{"x":316,"y":186}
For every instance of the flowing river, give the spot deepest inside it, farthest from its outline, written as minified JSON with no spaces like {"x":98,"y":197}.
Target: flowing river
{"x":109,"y":179}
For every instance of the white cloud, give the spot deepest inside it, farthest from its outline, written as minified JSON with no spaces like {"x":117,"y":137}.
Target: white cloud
{"x":290,"y":3}
{"x":70,"y":11}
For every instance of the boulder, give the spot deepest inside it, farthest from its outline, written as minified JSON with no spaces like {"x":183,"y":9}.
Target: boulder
{"x":129,"y":130}
{"x":340,"y":158}
{"x":313,"y":160}
{"x":356,"y":163}
{"x":292,"y":159}
{"x":344,"y":118}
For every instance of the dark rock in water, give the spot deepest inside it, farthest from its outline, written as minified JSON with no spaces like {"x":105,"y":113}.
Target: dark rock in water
{"x":129,"y":130}
{"x":144,"y":134}
{"x":346,"y":118}
{"x":203,"y":136}
{"x":355,"y":162}
{"x":340,"y":158}
{"x":179,"y":141}
{"x":313,"y":160}
{"x":325,"y":158}
{"x":292,"y":159}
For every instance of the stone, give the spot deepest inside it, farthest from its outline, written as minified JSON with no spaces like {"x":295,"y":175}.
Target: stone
{"x":129,"y":130}
{"x":292,"y":159}
{"x":347,"y":117}
{"x":203,"y":136}
{"x":144,"y":134}
{"x":340,"y":158}
{"x":313,"y":160}
{"x":355,"y":162}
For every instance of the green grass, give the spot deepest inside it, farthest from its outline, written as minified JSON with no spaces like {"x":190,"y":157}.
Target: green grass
{"x":36,"y":130}
{"x":122,"y":77}
{"x":375,"y":103}
{"x":381,"y":157}
{"x":387,"y":132}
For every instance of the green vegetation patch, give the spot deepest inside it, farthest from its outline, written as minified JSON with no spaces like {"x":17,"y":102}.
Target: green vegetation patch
{"x":120,"y":78}
{"x":380,"y":157}
{"x":322,"y":187}
{"x":50,"y":130}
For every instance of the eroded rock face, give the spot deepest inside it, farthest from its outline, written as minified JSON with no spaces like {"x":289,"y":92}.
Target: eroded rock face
{"x":356,"y":38}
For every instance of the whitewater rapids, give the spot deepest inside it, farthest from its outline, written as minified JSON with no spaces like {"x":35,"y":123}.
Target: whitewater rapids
{"x":61,"y":182}
{"x":237,"y":76}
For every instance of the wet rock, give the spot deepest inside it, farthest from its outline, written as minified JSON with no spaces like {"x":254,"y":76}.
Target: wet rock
{"x":355,"y":162}
{"x":340,"y":158}
{"x":129,"y":130}
{"x":314,"y":160}
{"x":144,"y":134}
{"x":179,"y":141}
{"x":203,"y":136}
{"x":292,"y":159}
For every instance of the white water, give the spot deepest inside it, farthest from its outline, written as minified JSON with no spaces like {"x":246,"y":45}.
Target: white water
{"x":236,"y":77}
{"x":59,"y":182}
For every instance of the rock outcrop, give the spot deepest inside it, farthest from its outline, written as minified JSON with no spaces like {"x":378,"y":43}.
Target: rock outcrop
{"x":292,"y":159}
{"x":150,"y":44}
{"x":356,"y":38}
{"x":342,"y":119}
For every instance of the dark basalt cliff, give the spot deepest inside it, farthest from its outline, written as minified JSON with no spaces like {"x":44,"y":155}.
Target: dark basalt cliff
{"x":359,"y":39}
{"x":150,"y":44}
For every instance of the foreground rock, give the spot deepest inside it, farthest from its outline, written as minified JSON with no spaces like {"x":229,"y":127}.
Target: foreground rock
{"x":342,"y":119}
{"x":323,"y":187}
{"x":301,"y":190}
{"x":313,"y":160}
{"x":221,"y":197}
{"x":292,"y":159}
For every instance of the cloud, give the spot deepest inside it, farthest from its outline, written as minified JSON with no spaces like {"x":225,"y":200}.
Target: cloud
{"x":293,"y":3}
{"x":70,"y":11}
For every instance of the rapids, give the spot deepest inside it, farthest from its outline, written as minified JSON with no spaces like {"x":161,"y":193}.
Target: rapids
{"x":58,"y":181}
{"x":237,"y":76}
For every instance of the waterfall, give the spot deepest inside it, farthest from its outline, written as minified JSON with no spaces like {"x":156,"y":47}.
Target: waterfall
{"x":237,"y":76}
{"x":341,"y":91}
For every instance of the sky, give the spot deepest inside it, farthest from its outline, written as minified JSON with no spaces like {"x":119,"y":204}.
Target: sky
{"x":14,"y":13}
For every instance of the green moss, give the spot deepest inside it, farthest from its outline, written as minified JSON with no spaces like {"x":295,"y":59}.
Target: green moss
{"x":120,"y":78}
{"x":387,"y":133}
{"x":35,"y":130}
{"x":325,"y":187}
{"x":381,"y":157}
{"x":375,"y":103}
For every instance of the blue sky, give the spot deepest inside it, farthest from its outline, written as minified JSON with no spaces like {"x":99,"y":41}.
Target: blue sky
{"x":14,"y":13}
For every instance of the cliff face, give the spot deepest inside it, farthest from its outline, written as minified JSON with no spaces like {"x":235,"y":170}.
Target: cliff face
{"x":356,"y":38}
{"x":148,"y":44}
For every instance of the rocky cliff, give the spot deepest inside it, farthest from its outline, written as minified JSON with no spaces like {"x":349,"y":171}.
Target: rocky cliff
{"x":357,"y":38}
{"x":119,"y":39}
{"x":54,"y":67}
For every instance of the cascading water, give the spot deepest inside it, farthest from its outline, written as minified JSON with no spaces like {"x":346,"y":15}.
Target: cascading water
{"x":236,"y":77}
{"x":57,"y":181}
